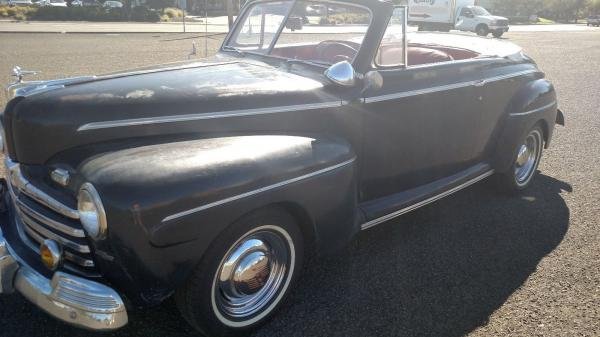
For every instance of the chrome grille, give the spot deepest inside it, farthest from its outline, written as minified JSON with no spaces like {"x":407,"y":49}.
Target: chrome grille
{"x":40,"y":217}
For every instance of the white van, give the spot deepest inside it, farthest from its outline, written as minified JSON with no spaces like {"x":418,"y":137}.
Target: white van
{"x":463,"y":15}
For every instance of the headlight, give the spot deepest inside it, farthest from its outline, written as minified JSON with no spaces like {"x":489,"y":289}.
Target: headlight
{"x":91,"y":212}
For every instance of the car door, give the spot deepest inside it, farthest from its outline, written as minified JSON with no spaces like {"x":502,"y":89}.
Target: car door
{"x":419,"y":126}
{"x":466,"y":20}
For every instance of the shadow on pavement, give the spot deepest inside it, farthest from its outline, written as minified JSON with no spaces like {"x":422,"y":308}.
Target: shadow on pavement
{"x":439,"y":271}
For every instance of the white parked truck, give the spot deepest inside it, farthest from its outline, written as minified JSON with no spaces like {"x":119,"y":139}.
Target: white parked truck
{"x":444,"y":15}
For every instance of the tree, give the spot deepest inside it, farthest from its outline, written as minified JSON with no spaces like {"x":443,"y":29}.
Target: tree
{"x":518,"y":7}
{"x":160,"y":4}
{"x":594,"y":7}
{"x":566,"y":10}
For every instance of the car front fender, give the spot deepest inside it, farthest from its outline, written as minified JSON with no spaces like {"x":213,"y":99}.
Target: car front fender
{"x":166,"y":203}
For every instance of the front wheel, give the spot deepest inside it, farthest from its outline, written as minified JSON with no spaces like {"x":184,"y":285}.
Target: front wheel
{"x":525,"y":163}
{"x":497,"y":33}
{"x":482,"y":30}
{"x":245,"y":274}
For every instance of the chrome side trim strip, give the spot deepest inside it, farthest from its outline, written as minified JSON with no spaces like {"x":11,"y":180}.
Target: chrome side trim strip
{"x":420,"y":204}
{"x":545,"y":107}
{"x":454,"y":86}
{"x":419,"y":92}
{"x":257,"y":191}
{"x":289,"y":108}
{"x":517,"y":74}
{"x":208,"y":115}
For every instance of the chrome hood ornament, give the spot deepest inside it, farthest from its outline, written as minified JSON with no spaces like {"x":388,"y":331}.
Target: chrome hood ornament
{"x":19,"y":84}
{"x":19,"y":73}
{"x":24,"y":88}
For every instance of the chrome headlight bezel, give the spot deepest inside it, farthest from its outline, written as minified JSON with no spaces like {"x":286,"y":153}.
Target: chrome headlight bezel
{"x":91,"y":212}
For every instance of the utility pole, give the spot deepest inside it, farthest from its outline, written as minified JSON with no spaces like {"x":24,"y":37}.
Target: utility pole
{"x":205,"y":28}
{"x":229,"y":4}
{"x":183,"y":7}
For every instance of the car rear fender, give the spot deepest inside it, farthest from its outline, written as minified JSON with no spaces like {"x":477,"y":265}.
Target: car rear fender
{"x":534,"y":103}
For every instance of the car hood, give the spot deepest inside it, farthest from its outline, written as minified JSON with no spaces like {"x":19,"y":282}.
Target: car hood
{"x":49,"y":119}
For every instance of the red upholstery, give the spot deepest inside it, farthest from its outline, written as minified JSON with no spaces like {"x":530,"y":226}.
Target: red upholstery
{"x":419,"y":55}
{"x":391,"y":55}
{"x":456,"y":53}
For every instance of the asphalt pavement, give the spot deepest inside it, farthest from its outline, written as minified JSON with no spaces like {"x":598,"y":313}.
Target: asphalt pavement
{"x":476,"y":263}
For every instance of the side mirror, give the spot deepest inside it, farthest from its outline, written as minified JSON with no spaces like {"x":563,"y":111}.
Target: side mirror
{"x":470,"y":15}
{"x":342,"y":73}
{"x":373,"y":81}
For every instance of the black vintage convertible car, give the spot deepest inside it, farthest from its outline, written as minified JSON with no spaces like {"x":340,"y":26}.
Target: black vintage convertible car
{"x":211,"y":181}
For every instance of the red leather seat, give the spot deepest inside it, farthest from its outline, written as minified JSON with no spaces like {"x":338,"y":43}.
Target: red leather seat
{"x":391,"y":55}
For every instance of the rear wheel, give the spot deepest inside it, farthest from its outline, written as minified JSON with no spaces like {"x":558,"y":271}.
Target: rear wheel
{"x":525,"y":164}
{"x":482,"y":30}
{"x":245,"y":275}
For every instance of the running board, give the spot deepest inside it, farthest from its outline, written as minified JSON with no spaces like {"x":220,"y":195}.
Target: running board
{"x":425,"y":202}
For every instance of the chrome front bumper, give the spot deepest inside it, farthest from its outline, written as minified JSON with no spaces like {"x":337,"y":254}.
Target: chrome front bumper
{"x":72,"y":299}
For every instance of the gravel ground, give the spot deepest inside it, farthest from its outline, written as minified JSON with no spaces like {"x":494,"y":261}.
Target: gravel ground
{"x":475,"y":264}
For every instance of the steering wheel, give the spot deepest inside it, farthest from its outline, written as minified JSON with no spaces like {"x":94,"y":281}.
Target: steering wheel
{"x":335,"y":51}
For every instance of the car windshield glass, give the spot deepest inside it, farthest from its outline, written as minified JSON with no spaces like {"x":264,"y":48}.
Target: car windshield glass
{"x":313,"y":31}
{"x":480,"y":11}
{"x":257,"y":30}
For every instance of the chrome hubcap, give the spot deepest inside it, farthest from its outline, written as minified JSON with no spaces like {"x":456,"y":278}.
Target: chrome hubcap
{"x":527,"y":158}
{"x":253,"y":273}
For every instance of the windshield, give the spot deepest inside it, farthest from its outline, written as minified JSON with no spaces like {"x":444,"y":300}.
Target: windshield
{"x":314,"y":31}
{"x":480,"y":11}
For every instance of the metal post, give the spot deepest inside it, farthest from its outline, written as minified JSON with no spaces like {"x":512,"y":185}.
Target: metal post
{"x":183,"y":7}
{"x":229,"y":5}
{"x":205,"y":28}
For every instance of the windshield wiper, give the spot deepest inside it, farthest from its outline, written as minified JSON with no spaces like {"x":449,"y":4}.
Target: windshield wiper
{"x":234,"y":49}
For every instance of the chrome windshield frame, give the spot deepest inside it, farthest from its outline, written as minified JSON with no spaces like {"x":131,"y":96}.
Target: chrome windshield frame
{"x":241,"y":18}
